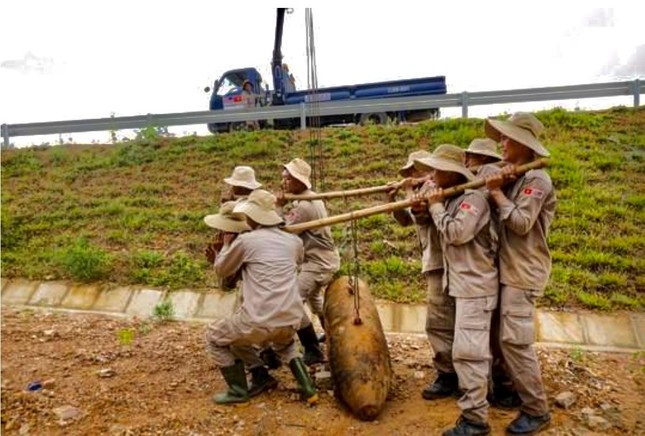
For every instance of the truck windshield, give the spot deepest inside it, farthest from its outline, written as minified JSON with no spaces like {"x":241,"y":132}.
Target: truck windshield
{"x":231,"y":83}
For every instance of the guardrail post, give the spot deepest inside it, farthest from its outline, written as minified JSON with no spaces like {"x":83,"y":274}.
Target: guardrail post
{"x":636,"y":89}
{"x":5,"y":136}
{"x":303,"y":116}
{"x":464,"y":104}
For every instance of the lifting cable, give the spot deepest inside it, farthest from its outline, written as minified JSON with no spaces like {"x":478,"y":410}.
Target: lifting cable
{"x":315,"y":137}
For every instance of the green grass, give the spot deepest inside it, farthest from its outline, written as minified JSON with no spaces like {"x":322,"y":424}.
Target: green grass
{"x":131,"y":213}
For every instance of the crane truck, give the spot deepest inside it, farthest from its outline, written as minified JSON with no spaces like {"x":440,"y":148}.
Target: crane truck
{"x":227,"y":93}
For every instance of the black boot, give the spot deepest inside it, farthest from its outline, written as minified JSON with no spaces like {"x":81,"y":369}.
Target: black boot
{"x":270,"y":358}
{"x":526,"y":424}
{"x":465,"y":427}
{"x":238,"y":391}
{"x":309,"y":341}
{"x":444,"y":386}
{"x":306,"y":386}
{"x":261,"y":381}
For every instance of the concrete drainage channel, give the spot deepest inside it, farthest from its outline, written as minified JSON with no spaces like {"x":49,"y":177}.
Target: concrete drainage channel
{"x":620,"y":332}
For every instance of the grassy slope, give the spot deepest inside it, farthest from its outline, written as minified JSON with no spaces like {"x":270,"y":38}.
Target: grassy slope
{"x":132,"y":213}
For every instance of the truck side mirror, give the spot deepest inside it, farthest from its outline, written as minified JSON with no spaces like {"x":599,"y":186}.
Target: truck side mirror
{"x":207,"y":89}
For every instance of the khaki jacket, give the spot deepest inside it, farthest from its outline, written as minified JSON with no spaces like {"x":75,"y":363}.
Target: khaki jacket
{"x":524,"y":258}
{"x":321,"y":254}
{"x":469,"y":245}
{"x":268,"y":258}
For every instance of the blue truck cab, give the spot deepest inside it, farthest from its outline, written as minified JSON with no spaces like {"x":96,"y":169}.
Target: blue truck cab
{"x":227,"y":94}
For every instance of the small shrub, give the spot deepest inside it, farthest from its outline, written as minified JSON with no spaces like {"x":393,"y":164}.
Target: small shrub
{"x":164,"y":310}
{"x":85,"y":262}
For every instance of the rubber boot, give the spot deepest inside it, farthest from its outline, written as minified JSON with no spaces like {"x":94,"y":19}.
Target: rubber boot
{"x":322,"y":337}
{"x":271,"y":358}
{"x":306,"y":386}
{"x":238,"y":391}
{"x":309,"y":341}
{"x":261,"y":381}
{"x":444,"y":386}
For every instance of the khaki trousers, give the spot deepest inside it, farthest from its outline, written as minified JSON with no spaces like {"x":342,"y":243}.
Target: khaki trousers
{"x":499,"y":375}
{"x":237,"y":337}
{"x":440,"y":322}
{"x":517,"y":328}
{"x":311,"y":286}
{"x":471,"y":354}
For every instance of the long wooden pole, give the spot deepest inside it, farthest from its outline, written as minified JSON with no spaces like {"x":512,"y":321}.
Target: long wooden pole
{"x":342,"y":194}
{"x":402,"y":204}
{"x":364,"y":191}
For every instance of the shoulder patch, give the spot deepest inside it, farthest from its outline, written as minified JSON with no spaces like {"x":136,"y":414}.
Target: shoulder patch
{"x":469,"y":208}
{"x":533,"y":192}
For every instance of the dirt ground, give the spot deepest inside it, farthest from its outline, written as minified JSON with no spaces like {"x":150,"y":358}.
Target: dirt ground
{"x":157,"y":379}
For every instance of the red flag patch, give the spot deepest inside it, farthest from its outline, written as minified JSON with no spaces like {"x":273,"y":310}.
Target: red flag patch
{"x":468,"y":208}
{"x":533,"y":192}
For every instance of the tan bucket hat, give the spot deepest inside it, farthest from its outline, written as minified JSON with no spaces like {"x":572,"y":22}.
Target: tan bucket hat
{"x":522,"y":127}
{"x":300,"y":170}
{"x":260,"y":207}
{"x":446,"y":157}
{"x":484,"y":147}
{"x":243,"y":176}
{"x":227,"y":220}
{"x":420,"y":154}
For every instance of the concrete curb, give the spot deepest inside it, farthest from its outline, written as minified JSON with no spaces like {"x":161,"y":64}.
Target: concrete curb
{"x":620,"y":332}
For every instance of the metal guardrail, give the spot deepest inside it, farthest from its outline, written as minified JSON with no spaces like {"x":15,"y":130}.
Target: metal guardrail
{"x":463,"y":100}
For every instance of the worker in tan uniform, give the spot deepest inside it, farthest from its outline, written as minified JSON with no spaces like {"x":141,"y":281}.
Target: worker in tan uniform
{"x":322,"y":260}
{"x":272,"y":309}
{"x":229,"y":225}
{"x":526,"y":206}
{"x":470,"y":276}
{"x":482,"y":158}
{"x":238,"y":187}
{"x":440,"y":317}
{"x":240,"y":184}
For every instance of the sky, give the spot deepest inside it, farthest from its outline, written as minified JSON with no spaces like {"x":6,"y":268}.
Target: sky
{"x":77,"y":59}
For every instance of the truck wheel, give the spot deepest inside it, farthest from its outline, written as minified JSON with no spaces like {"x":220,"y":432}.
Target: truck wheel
{"x":373,"y":118}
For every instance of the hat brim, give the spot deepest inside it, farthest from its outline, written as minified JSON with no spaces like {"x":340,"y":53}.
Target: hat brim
{"x":496,"y":128}
{"x":404,"y":171}
{"x":443,"y":165}
{"x":485,"y":153}
{"x":294,"y":173}
{"x":253,"y":211}
{"x":234,"y":182}
{"x":225,"y":224}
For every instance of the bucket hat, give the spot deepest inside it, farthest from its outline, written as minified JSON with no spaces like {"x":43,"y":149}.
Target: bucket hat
{"x":260,"y":207}
{"x":226,"y":220}
{"x":243,"y":176}
{"x":522,"y":127}
{"x":446,"y":157}
{"x":420,"y":154}
{"x":300,"y":170}
{"x":484,"y":147}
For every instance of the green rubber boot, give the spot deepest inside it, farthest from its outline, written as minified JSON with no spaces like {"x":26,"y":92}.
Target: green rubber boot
{"x":306,"y":386}
{"x":238,"y":391}
{"x":261,"y":381}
